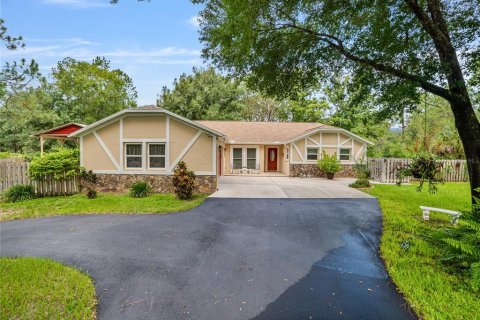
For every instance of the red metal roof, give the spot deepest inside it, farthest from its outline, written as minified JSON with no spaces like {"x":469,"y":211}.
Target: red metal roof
{"x":63,"y":130}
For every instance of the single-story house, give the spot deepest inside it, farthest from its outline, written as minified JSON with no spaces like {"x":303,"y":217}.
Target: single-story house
{"x":148,"y":142}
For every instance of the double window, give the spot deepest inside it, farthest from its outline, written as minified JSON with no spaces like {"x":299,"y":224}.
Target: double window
{"x":244,"y":158}
{"x":134,"y":155}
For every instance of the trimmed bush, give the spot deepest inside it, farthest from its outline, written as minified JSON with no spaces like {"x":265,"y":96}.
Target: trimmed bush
{"x":60,"y":163}
{"x":183,"y":181}
{"x":140,"y":189}
{"x":20,"y":192}
{"x":360,"y":183}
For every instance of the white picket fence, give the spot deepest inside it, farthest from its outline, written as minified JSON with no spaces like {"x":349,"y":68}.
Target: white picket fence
{"x":14,"y":171}
{"x":385,"y":169}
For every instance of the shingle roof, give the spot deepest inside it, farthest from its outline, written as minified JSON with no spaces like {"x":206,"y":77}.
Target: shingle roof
{"x":148,"y":107}
{"x":262,"y":132}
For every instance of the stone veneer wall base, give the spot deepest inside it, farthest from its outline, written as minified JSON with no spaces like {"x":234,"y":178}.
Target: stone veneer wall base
{"x":312,"y":171}
{"x":159,"y":183}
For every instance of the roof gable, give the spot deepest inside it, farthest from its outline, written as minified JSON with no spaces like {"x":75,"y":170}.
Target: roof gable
{"x":142,"y":110}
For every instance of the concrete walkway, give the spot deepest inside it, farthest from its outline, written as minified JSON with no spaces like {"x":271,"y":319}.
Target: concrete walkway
{"x":285,"y":187}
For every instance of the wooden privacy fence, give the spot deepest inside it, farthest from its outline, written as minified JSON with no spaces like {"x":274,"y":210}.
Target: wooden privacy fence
{"x":15,"y":171}
{"x":386,"y":169}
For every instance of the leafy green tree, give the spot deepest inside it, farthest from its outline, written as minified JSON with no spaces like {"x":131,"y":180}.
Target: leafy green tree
{"x":431,"y":128}
{"x":14,"y":76}
{"x":289,"y":46}
{"x":28,"y":112}
{"x":353,"y":108}
{"x":305,"y":109}
{"x":91,"y":91}
{"x":257,"y":107}
{"x":204,"y":94}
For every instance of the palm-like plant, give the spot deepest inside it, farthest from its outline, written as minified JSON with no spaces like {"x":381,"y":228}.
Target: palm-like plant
{"x":462,"y":243}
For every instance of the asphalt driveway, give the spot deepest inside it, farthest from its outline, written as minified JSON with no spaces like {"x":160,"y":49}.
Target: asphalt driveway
{"x":226,"y":259}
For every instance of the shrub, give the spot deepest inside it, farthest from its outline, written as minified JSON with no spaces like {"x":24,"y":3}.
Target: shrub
{"x":6,"y":155}
{"x":329,"y":164}
{"x":140,"y":189}
{"x":183,"y":181}
{"x":462,"y":244}
{"x":91,"y":193}
{"x":88,"y":180}
{"x":424,"y":167}
{"x":360,"y":183}
{"x":20,"y":192}
{"x":361,"y":170}
{"x":60,"y":163}
{"x":362,"y":173}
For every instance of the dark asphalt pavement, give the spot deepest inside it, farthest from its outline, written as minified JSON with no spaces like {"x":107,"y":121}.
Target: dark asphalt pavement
{"x":226,"y":259}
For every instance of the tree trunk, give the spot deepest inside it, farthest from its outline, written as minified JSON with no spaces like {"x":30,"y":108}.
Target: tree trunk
{"x":468,"y":128}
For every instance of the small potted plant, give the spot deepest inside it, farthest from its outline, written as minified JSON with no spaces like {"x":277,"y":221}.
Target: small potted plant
{"x":329,"y":164}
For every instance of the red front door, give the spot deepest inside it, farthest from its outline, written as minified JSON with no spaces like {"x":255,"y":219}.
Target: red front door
{"x":272,"y":154}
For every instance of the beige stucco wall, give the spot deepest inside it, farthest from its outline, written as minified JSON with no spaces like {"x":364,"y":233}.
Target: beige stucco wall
{"x":329,"y":139}
{"x":93,"y":155}
{"x":328,"y":150}
{"x":180,"y":135}
{"x":111,"y":137}
{"x":296,"y":157}
{"x":200,"y":155}
{"x":262,"y":159}
{"x":343,"y":138}
{"x":226,"y":159}
{"x":144,"y":129}
{"x":284,"y":162}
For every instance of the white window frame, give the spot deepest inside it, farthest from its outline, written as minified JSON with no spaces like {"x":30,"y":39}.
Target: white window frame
{"x":232,"y":157}
{"x":244,"y":155}
{"x":349,"y":154}
{"x":247,"y":158}
{"x":156,"y":156}
{"x":142,"y":156}
{"x":308,"y":148}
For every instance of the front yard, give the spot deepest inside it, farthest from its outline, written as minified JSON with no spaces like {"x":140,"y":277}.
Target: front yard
{"x":37,"y":288}
{"x":433,"y":289}
{"x":104,"y":203}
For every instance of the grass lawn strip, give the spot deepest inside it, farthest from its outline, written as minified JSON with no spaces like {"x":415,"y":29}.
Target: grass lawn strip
{"x":104,"y":203}
{"x":434,"y":290}
{"x":37,"y":288}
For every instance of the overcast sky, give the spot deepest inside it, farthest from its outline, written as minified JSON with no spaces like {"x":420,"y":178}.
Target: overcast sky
{"x":153,"y":42}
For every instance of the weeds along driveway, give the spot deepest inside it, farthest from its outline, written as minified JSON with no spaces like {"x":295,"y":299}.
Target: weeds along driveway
{"x":226,"y":259}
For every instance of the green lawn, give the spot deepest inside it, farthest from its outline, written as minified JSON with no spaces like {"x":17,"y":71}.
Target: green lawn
{"x":104,"y":203}
{"x":433,"y":290}
{"x":34,"y":288}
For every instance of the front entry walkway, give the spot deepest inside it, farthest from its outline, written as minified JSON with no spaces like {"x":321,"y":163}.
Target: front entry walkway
{"x":285,"y":187}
